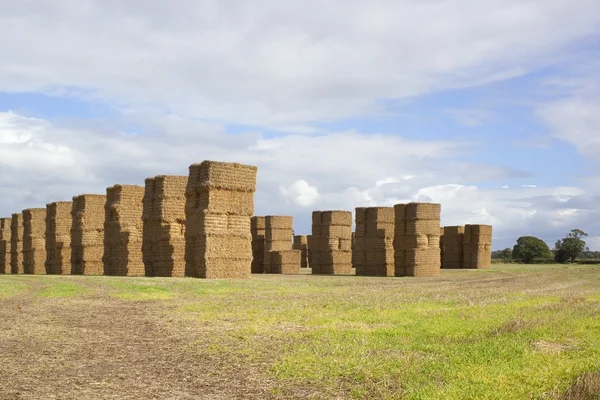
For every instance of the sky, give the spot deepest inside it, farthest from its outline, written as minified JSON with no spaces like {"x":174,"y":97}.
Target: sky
{"x":491,"y":108}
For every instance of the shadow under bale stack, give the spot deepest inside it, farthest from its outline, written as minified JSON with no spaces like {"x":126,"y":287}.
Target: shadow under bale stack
{"x":164,"y":226}
{"x":417,"y":239}
{"x":257,"y":227}
{"x":123,"y":231}
{"x":332,"y":242}
{"x":16,"y":243}
{"x":87,"y":234}
{"x":279,"y":231}
{"x":34,"y":241}
{"x":477,"y":246}
{"x":219,"y":205}
{"x":374,"y":241}
{"x":5,"y":246}
{"x":58,"y":237}
{"x":453,"y":247}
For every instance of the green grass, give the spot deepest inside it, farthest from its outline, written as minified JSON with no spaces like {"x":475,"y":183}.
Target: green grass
{"x":11,"y":287}
{"x":60,"y":289}
{"x":140,"y":289}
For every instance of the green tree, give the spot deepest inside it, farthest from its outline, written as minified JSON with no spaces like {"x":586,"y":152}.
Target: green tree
{"x":529,"y":249}
{"x":571,"y":246}
{"x":506,"y":253}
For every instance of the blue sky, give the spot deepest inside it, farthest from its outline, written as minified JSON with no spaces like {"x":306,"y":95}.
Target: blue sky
{"x":490,"y":108}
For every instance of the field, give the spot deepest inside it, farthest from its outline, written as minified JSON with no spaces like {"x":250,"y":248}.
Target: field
{"x":512,"y":332}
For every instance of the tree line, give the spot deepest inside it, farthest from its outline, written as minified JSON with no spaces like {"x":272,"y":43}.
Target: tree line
{"x":530,"y":249}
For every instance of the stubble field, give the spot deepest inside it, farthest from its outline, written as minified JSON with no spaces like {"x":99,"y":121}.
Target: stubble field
{"x":512,"y":332}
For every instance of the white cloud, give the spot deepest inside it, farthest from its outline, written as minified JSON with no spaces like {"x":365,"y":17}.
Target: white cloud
{"x":300,"y":193}
{"x":260,"y":63}
{"x":575,"y":120}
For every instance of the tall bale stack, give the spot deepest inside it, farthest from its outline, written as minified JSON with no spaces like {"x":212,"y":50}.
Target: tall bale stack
{"x":257,"y":228}
{"x":87,"y":234}
{"x":453,"y":247}
{"x":374,"y":241}
{"x":34,"y":241}
{"x":123,"y":231}
{"x":301,"y":244}
{"x":5,"y":245}
{"x":58,"y":237}
{"x":16,"y":243}
{"x":332,"y":242}
{"x":442,"y":246}
{"x":477,"y":245}
{"x":279,"y":231}
{"x":417,"y":239}
{"x":163,"y":244}
{"x":219,"y":205}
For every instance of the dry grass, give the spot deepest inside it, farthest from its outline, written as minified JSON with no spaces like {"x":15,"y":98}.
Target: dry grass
{"x":506,"y":333}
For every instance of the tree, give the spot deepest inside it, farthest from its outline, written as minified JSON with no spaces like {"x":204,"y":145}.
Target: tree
{"x":506,"y":253}
{"x":570,"y":247}
{"x":530,"y":248}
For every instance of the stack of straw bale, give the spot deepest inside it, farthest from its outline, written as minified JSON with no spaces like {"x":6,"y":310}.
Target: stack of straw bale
{"x":257,"y":227}
{"x":16,"y":243}
{"x":453,"y":247}
{"x":87,"y":234}
{"x":219,"y":205}
{"x":163,"y":217}
{"x":301,"y":243}
{"x":331,"y":242}
{"x":309,"y":244}
{"x":442,"y":246}
{"x":279,"y":231}
{"x":5,"y":246}
{"x":417,"y":239}
{"x":477,"y":245}
{"x":123,"y":231}
{"x":58,"y":237}
{"x":34,"y":241}
{"x":374,"y":241}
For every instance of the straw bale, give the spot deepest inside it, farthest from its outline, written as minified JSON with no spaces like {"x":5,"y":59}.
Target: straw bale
{"x":58,"y":237}
{"x":16,"y":243}
{"x":272,"y":235}
{"x":481,"y":230}
{"x":34,"y":241}
{"x":343,"y":218}
{"x":123,"y":231}
{"x":5,"y":245}
{"x":417,"y":239}
{"x":279,"y":222}
{"x":309,"y":241}
{"x":453,"y":247}
{"x":360,"y":216}
{"x":257,"y":228}
{"x":336,"y":262}
{"x":221,"y":201}
{"x":422,"y":211}
{"x":301,"y":244}
{"x":258,"y":223}
{"x":337,"y":231}
{"x":218,"y":239}
{"x":285,"y":262}
{"x":164,"y":222}
{"x":373,"y":250}
{"x":223,"y":175}
{"x":87,"y":234}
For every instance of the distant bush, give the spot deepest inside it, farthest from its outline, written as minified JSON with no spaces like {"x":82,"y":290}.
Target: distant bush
{"x":588,"y":261}
{"x":503,"y":261}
